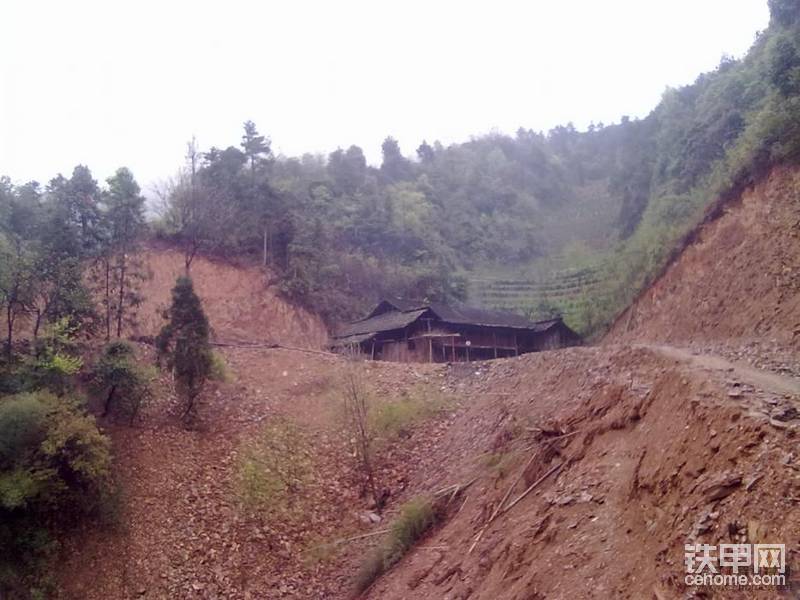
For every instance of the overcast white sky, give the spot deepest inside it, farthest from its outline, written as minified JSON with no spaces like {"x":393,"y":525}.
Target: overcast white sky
{"x":109,"y":83}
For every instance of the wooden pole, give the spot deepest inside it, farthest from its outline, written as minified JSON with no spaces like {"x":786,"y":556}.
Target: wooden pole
{"x":494,"y":337}
{"x":430,"y":349}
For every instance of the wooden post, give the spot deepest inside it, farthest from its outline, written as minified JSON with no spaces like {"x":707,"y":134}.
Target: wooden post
{"x":430,"y":349}
{"x":453,"y":342}
{"x":494,"y":337}
{"x":373,"y":349}
{"x":516,"y":348}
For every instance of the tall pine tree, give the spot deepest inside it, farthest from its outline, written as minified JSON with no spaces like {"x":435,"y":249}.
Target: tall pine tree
{"x":183,"y":343}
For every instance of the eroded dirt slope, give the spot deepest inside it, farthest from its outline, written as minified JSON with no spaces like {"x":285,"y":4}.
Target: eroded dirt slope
{"x":239,"y":302}
{"x":652,"y":449}
{"x":740,"y":280}
{"x":682,"y":428}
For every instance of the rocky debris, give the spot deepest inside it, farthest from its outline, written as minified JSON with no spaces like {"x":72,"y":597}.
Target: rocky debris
{"x":369,"y":518}
{"x":187,"y":535}
{"x":721,"y":486}
{"x":705,"y":521}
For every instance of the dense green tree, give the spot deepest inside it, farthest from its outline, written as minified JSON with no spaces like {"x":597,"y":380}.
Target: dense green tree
{"x":425,"y":153}
{"x":347,"y":169}
{"x":125,"y":225}
{"x":55,"y":466}
{"x":120,"y":382}
{"x":255,"y":147}
{"x":395,"y":166}
{"x":784,"y":68}
{"x":784,"y":12}
{"x":183,"y":343}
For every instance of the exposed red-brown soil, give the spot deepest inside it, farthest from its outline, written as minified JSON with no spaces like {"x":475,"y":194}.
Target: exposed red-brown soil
{"x":666,"y":451}
{"x":239,"y":302}
{"x":681,"y":428}
{"x":740,"y":279}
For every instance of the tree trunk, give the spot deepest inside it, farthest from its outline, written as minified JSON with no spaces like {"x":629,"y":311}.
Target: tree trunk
{"x":265,"y":246}
{"x":10,"y":325}
{"x":108,"y":298}
{"x":37,"y":324}
{"x":121,"y":306}
{"x":109,"y":398}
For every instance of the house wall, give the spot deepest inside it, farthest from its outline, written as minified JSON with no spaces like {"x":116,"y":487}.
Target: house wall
{"x":415,"y":344}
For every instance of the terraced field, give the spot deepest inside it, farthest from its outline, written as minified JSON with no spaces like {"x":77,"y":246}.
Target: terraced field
{"x":539,"y":293}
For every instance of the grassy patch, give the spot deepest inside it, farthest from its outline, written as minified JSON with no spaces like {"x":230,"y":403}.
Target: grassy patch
{"x":396,"y":417}
{"x":219,"y":369}
{"x":414,"y":521}
{"x":273,"y":469}
{"x":497,"y":462}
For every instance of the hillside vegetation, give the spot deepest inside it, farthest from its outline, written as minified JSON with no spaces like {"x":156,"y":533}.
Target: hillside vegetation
{"x":342,"y":232}
{"x":140,"y":482}
{"x":507,"y":221}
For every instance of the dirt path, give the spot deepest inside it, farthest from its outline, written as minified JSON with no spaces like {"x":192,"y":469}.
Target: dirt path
{"x":758,"y":378}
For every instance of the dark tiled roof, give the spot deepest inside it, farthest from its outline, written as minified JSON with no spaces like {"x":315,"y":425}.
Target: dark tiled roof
{"x":383,"y":322}
{"x":456,"y":312}
{"x":469,"y":315}
{"x":402,"y":312}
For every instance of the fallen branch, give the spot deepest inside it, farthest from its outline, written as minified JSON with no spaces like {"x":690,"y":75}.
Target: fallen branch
{"x":454,"y":489}
{"x":513,"y":485}
{"x":561,"y":437}
{"x":360,"y":537}
{"x":532,"y":487}
{"x":268,"y":346}
{"x":500,"y":511}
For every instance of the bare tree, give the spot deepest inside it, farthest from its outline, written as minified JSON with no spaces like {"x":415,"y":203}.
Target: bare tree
{"x":191,"y":211}
{"x":356,"y":410}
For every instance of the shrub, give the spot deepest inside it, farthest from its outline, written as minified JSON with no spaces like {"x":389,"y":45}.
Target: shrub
{"x":273,"y":468}
{"x":219,"y":370}
{"x":183,"y":342}
{"x":54,"y":468}
{"x":121,"y":383}
{"x":396,"y":417}
{"x":415,"y":519}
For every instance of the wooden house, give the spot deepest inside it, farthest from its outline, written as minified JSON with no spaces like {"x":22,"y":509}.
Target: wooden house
{"x":409,"y":331}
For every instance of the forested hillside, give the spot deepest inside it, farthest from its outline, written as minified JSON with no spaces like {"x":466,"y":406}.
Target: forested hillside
{"x":565,"y":221}
{"x":532,"y":210}
{"x":207,"y":446}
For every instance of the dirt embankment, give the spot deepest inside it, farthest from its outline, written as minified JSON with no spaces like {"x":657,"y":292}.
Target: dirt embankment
{"x":652,"y":450}
{"x":239,"y":303}
{"x":739,"y":280}
{"x":629,"y":450}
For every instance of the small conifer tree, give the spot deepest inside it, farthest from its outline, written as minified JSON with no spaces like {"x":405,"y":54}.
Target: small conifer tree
{"x":183,"y":343}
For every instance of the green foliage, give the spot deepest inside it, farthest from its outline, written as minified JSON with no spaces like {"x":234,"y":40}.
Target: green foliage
{"x":339,"y":233}
{"x":394,"y":417}
{"x":219,"y":370}
{"x":342,"y":233}
{"x":120,"y":382}
{"x":273,"y":469}
{"x":54,"y":468}
{"x":784,"y":12}
{"x":414,"y":521}
{"x":53,"y":363}
{"x":183,"y":342}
